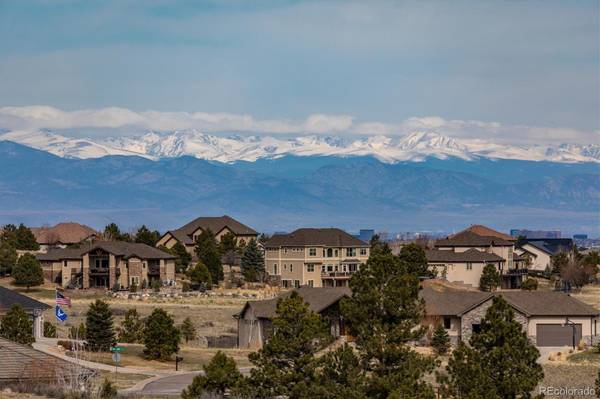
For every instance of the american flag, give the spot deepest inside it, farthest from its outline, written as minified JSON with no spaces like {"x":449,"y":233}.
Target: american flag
{"x":61,"y":299}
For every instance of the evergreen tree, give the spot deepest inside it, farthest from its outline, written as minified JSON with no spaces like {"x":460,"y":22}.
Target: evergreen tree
{"x":263,"y":238}
{"x":253,"y":262}
{"x":17,"y":326}
{"x":25,"y":239}
{"x":188,"y":331}
{"x":9,"y":235}
{"x":490,"y":278}
{"x":207,"y":251}
{"x":228,"y":242}
{"x":379,"y":247}
{"x":77,"y":332}
{"x":530,"y":284}
{"x":132,"y":328}
{"x":384,"y":314}
{"x":112,"y":232}
{"x":8,"y":258}
{"x":161,"y":337}
{"x":339,"y":376}
{"x":199,"y":275}
{"x":440,"y":340}
{"x":99,"y":330}
{"x":220,"y":375}
{"x":285,"y":365}
{"x":183,"y":257}
{"x":416,"y":260}
{"x":559,"y":261}
{"x":500,"y":358}
{"x":28,"y":271}
{"x":145,"y":236}
{"x":49,"y":330}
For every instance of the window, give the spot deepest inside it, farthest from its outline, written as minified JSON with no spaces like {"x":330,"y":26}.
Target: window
{"x":476,"y":328}
{"x":310,"y":267}
{"x":447,"y":323}
{"x":329,"y":252}
{"x":297,"y":283}
{"x":344,"y":268}
{"x":64,"y":263}
{"x":329,"y":268}
{"x":285,"y":266}
{"x":310,"y":283}
{"x":285,"y":250}
{"x":291,"y":267}
{"x":469,"y":266}
{"x":363,"y":251}
{"x":275,"y":269}
{"x":312,"y":252}
{"x":350,"y":251}
{"x":135,"y":281}
{"x":336,"y":253}
{"x":352,"y":267}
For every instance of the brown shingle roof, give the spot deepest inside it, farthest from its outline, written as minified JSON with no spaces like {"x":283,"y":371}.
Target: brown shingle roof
{"x":470,"y":239}
{"x":20,"y":362}
{"x":470,"y":255}
{"x":63,"y":233}
{"x":330,"y":237}
{"x":119,"y":248}
{"x":8,"y":298}
{"x":317,"y":298}
{"x":441,"y":300}
{"x":487,"y":231}
{"x":547,"y":303}
{"x":215,"y":224}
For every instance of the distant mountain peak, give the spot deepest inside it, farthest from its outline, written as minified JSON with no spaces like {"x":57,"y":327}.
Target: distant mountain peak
{"x":416,"y":146}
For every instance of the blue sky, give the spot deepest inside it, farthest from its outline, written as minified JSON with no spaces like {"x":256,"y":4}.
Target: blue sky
{"x":513,"y":63}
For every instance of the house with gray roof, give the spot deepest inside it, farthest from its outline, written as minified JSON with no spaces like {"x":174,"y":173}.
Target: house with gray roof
{"x":34,"y":308}
{"x":219,"y":225}
{"x":317,"y":257}
{"x":540,"y":251}
{"x":255,"y":318}
{"x":105,"y":264}
{"x":549,"y":318}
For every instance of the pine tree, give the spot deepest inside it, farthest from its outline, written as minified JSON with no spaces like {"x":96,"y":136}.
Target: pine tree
{"x":16,"y":325}
{"x":559,"y":261}
{"x":440,"y":340}
{"x":188,"y":331}
{"x":161,"y":337}
{"x":220,"y":375}
{"x":339,"y":376}
{"x":466,"y":376}
{"x":132,"y":328}
{"x":228,"y":242}
{"x":285,"y":365}
{"x":183,"y":257}
{"x":49,"y":330}
{"x":207,"y":251}
{"x":199,"y":275}
{"x":25,"y":239}
{"x":99,"y":330}
{"x":379,"y":247}
{"x":416,"y":260}
{"x":145,"y":236}
{"x":500,"y":357}
{"x":8,"y":258}
{"x":384,"y":314}
{"x":490,"y":278}
{"x":253,"y":262}
{"x":28,"y":271}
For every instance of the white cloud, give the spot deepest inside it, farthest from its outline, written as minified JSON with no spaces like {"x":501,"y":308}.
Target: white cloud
{"x":37,"y":117}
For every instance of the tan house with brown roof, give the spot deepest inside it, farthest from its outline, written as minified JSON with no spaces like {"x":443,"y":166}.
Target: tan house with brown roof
{"x":325,"y":257}
{"x":461,"y":257}
{"x":103,"y":264}
{"x":550,"y":318}
{"x":220,"y":226}
{"x":63,"y":235}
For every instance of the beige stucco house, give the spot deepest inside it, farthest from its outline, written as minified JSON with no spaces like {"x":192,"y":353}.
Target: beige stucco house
{"x":550,"y":318}
{"x":63,"y":235}
{"x":540,"y":251}
{"x":103,"y":264}
{"x":467,"y":253}
{"x":315,"y":257}
{"x":221,"y":225}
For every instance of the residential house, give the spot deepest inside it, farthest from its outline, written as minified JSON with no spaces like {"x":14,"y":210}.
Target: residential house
{"x":255,"y":319}
{"x":63,"y":235}
{"x":34,"y":308}
{"x":103,"y":264}
{"x":22,"y":364}
{"x":221,"y":225}
{"x":315,"y":257}
{"x":540,"y":251}
{"x":511,"y":266}
{"x":550,"y":318}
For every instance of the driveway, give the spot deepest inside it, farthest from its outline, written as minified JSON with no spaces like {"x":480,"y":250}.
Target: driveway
{"x":169,"y":385}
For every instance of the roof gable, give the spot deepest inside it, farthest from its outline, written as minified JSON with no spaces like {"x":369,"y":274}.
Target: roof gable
{"x":470,"y":255}
{"x":331,"y":237}
{"x":214,"y":224}
{"x":63,"y":233}
{"x":470,"y":239}
{"x":8,"y":298}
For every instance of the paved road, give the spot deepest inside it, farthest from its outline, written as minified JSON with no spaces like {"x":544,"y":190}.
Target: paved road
{"x":170,"y":385}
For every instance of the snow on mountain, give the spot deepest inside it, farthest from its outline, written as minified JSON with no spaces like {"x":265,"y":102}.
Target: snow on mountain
{"x":413,"y":147}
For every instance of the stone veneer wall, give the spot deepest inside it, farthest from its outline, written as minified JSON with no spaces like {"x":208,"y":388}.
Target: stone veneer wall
{"x":475,"y":315}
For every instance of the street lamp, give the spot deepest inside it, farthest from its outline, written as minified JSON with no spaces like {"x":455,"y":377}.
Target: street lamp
{"x":573,"y":327}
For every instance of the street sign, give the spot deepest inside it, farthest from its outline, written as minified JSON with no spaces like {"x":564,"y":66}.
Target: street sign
{"x":116,"y":349}
{"x":116,"y":357}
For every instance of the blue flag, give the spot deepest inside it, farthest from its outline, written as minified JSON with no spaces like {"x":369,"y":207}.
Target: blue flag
{"x":60,"y":314}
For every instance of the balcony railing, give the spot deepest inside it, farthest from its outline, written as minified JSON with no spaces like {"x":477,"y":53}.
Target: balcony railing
{"x":337,"y":274}
{"x":514,"y":272}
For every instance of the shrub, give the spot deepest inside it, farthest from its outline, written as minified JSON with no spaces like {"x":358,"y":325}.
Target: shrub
{"x":49,"y":330}
{"x":490,"y":278}
{"x":156,"y":285}
{"x":133,"y":287}
{"x":107,"y":390}
{"x":530,"y":284}
{"x":441,"y":340}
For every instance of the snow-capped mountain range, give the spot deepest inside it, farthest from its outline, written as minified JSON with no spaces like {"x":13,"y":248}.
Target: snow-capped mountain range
{"x":416,"y":147}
